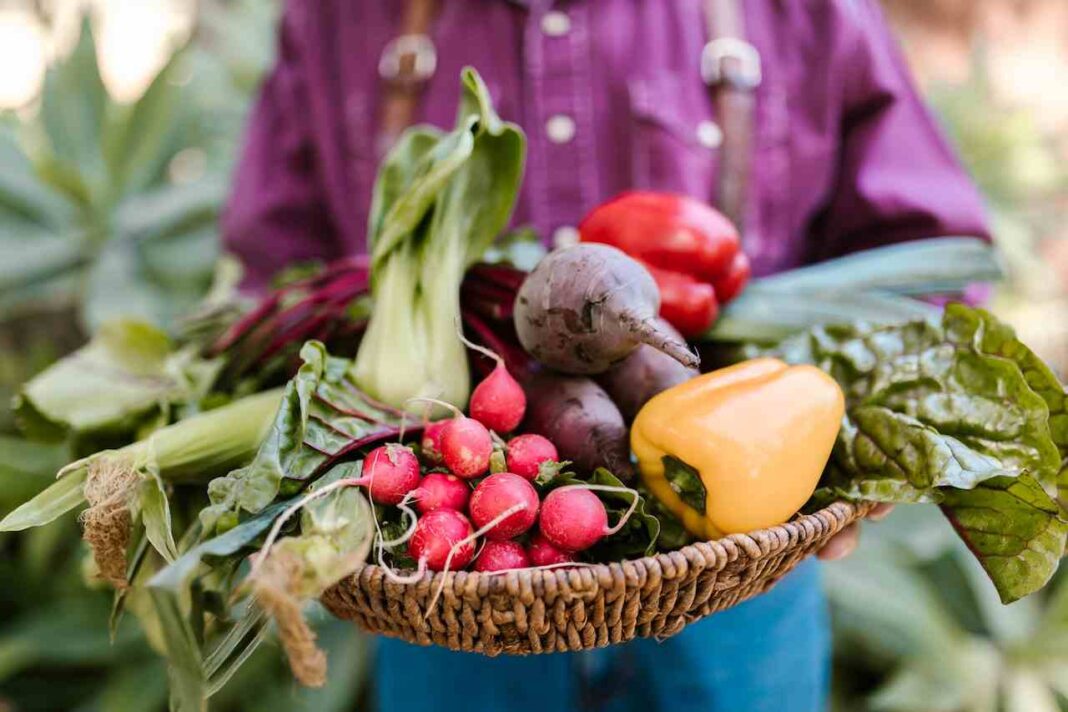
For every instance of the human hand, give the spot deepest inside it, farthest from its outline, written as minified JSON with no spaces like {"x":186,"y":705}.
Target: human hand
{"x":845,"y":542}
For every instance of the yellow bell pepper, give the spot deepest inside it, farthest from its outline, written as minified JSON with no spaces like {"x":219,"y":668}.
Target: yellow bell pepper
{"x":758,"y":433}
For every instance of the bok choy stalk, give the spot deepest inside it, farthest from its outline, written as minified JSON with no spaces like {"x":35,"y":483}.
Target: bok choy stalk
{"x":438,"y":203}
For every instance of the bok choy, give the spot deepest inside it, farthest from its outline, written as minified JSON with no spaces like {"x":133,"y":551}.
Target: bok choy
{"x":439,"y":201}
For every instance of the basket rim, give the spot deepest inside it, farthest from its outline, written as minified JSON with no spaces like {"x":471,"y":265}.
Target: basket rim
{"x":756,"y":544}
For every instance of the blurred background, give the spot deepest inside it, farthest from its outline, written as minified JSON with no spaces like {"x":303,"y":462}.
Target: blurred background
{"x":119,"y":125}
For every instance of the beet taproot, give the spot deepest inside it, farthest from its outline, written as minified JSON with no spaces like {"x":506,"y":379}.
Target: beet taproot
{"x":581,"y":420}
{"x":586,"y":307}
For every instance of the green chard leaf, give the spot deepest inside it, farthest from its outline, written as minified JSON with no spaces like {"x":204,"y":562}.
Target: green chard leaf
{"x":323,"y":417}
{"x":961,"y":414}
{"x":995,"y":337}
{"x":1015,"y":529}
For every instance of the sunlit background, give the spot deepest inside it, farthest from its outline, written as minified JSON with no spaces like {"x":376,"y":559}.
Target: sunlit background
{"x":117,"y":138}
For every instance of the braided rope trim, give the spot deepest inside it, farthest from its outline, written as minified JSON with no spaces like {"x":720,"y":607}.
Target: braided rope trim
{"x":544,"y":611}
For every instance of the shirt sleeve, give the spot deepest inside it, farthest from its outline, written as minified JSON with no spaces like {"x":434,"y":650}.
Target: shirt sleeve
{"x":898,"y":179}
{"x":277,"y":212}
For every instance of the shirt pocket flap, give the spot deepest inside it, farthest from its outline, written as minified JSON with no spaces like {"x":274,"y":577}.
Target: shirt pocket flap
{"x":673,"y":103}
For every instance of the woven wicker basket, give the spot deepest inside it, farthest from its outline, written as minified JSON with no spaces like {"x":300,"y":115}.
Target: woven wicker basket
{"x":546,"y":611}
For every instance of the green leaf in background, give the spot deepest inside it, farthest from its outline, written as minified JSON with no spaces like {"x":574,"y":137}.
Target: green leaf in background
{"x":874,"y":286}
{"x":127,"y":375}
{"x":73,"y":112}
{"x":138,"y":145}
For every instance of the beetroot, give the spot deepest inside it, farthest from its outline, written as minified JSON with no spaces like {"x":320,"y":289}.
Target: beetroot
{"x":642,"y":375}
{"x":573,"y":519}
{"x":501,"y":556}
{"x":543,"y":553}
{"x":587,"y":307}
{"x":581,"y":421}
{"x":497,"y":494}
{"x":527,"y":452}
{"x":466,"y":447}
{"x":389,"y":473}
{"x":439,"y":490}
{"x":436,"y":534}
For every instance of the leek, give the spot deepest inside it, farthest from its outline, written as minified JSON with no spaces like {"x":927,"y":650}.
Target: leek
{"x":439,"y":202}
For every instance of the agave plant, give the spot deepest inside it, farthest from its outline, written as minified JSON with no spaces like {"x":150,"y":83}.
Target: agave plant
{"x":91,"y":211}
{"x":918,"y":628}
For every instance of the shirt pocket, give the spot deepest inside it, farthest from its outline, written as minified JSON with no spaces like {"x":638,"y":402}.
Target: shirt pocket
{"x":673,"y":143}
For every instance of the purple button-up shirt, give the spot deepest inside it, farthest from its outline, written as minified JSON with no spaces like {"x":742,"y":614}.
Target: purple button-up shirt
{"x":609,"y":92}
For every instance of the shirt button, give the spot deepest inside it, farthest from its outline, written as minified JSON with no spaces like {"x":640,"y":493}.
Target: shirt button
{"x":560,"y":128}
{"x":565,"y":236}
{"x":555,"y":23}
{"x":709,"y":134}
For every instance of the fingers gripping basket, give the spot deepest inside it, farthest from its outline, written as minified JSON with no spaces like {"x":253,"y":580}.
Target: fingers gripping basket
{"x":544,"y":611}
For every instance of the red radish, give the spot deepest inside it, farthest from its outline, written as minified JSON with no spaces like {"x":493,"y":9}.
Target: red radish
{"x":466,"y":447}
{"x":502,"y":555}
{"x":439,"y":490}
{"x":498,"y":402}
{"x":390,"y":472}
{"x":573,"y":518}
{"x":436,"y":534}
{"x":497,"y":494}
{"x":543,"y":553}
{"x":527,"y":452}
{"x":431,"y":441}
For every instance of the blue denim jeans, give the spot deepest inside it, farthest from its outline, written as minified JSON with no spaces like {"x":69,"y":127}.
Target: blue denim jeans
{"x":770,"y":654}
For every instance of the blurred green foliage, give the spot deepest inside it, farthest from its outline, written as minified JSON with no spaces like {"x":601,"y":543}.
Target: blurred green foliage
{"x":1016,"y":164}
{"x":108,"y":208}
{"x":918,"y":628}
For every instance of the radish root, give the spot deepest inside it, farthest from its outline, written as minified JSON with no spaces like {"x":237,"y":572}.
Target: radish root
{"x":449,"y":406}
{"x":488,"y":353}
{"x":635,"y":498}
{"x":110,"y":485}
{"x":473,"y":536}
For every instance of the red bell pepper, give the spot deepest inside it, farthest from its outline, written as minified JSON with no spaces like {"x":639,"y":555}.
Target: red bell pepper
{"x":692,"y":250}
{"x":688,"y":305}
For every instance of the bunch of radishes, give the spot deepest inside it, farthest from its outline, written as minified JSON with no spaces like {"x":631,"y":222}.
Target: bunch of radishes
{"x":469,"y":510}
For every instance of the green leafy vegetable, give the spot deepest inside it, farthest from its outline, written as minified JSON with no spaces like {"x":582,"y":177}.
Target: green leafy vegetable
{"x":126,"y":378}
{"x":961,"y":414}
{"x":438,"y":203}
{"x":323,"y":417}
{"x":874,"y":286}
